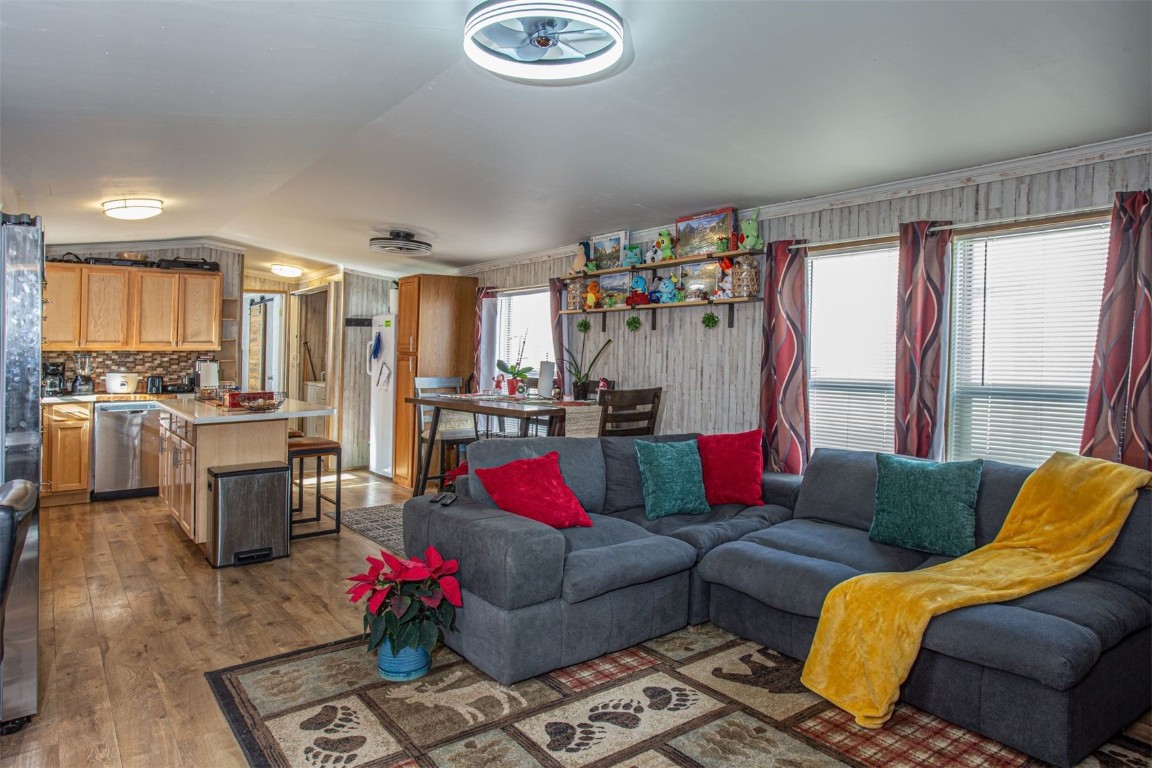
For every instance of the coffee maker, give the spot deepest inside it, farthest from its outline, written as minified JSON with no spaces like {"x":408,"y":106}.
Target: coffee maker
{"x":52,"y":379}
{"x":82,"y":383}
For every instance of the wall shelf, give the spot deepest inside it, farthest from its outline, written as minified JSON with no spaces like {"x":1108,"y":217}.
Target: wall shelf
{"x":656,"y":266}
{"x":730,"y":303}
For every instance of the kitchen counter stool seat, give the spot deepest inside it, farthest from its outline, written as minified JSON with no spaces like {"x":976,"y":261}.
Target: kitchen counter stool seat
{"x":301,"y":448}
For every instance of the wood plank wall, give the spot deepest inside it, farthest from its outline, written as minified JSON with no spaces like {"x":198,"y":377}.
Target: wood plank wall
{"x":711,"y":377}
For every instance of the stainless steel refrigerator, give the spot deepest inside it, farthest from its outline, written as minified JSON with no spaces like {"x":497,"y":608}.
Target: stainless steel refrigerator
{"x":21,"y":291}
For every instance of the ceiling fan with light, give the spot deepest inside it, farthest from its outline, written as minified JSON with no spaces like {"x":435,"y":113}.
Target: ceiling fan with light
{"x":401,"y":242}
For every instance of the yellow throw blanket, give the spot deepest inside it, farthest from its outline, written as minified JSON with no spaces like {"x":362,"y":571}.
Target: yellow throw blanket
{"x":1065,"y":518}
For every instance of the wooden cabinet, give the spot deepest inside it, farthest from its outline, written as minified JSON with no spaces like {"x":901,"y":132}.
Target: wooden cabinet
{"x":61,"y":322}
{"x":178,"y":471}
{"x":435,"y":336}
{"x":67,"y":431}
{"x":104,"y":310}
{"x":175,"y":310}
{"x":155,"y":308}
{"x":199,"y":324}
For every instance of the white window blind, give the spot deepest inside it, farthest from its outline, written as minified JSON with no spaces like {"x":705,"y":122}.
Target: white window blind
{"x":852,"y":349}
{"x":524,"y":318}
{"x":1025,"y":313}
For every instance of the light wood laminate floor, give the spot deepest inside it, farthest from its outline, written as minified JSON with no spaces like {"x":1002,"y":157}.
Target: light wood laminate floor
{"x":132,"y":616}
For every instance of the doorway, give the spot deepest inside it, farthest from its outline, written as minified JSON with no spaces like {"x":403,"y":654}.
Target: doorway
{"x":263,"y":331}
{"x":312,"y":354}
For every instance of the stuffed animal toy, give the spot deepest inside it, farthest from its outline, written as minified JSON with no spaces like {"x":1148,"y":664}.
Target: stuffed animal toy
{"x":654,"y":290}
{"x":653,"y":255}
{"x":632,"y":257}
{"x":664,"y":243}
{"x":724,"y":287}
{"x":580,"y":260}
{"x":639,"y":294}
{"x":749,"y":237}
{"x":592,"y":295}
{"x":639,"y":283}
{"x":668,"y":290}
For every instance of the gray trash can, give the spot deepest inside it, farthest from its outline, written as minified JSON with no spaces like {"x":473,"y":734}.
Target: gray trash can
{"x":250,"y":517}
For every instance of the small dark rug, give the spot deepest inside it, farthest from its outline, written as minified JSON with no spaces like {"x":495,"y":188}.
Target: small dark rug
{"x":383,"y":524}
{"x":698,"y":698}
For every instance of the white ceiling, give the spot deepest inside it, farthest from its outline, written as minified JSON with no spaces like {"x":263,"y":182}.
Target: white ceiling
{"x":305,"y":127}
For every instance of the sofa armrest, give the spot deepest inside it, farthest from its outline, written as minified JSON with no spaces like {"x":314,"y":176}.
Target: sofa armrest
{"x":508,"y":560}
{"x":781,"y":488}
{"x":462,"y":485}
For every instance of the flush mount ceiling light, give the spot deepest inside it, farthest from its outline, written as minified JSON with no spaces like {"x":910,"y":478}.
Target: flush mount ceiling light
{"x":286,"y":270}
{"x":544,"y":39}
{"x":133,"y":208}
{"x":401,"y":242}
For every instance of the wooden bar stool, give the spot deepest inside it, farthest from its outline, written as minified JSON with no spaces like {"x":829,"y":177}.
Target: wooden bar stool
{"x":301,"y":448}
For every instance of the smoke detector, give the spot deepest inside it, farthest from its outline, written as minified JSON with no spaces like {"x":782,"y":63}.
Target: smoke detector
{"x":400,"y":242}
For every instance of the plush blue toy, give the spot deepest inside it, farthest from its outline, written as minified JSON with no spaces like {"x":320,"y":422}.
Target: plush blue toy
{"x":654,"y":293}
{"x":668,"y":290}
{"x":632,"y":257}
{"x":639,"y":284}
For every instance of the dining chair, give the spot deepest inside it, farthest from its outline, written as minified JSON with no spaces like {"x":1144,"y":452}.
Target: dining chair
{"x":450,"y":438}
{"x":625,"y":412}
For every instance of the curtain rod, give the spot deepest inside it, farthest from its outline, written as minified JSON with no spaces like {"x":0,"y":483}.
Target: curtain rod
{"x":523,"y":289}
{"x":954,"y":227}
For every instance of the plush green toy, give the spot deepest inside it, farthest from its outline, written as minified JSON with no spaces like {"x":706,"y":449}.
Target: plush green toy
{"x":664,"y":243}
{"x":749,"y":238}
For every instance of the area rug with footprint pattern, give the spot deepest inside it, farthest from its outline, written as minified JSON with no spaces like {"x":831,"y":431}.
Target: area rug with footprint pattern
{"x":699,"y":697}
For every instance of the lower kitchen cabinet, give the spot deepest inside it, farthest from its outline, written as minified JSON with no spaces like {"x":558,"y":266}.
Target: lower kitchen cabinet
{"x":178,"y":472}
{"x":65,"y":469}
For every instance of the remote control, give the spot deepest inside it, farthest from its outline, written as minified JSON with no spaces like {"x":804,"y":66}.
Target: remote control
{"x":449,"y":498}
{"x":437,"y":498}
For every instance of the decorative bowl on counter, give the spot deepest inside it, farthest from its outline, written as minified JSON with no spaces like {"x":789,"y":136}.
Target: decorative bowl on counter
{"x":260,"y":402}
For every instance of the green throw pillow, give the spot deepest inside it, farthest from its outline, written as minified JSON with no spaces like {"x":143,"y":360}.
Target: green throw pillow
{"x":926,"y":505}
{"x":673,"y":479}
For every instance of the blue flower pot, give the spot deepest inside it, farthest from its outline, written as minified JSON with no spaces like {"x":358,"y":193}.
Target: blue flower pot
{"x":407,"y":664}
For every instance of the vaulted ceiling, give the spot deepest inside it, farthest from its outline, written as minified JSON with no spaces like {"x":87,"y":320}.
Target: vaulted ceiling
{"x":307,"y":127}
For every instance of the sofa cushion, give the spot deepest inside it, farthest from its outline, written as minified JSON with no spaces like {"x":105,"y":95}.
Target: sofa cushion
{"x":783,"y":580}
{"x":605,"y":532}
{"x":999,"y":485}
{"x":838,"y":543}
{"x":1053,"y":636}
{"x":672,"y":479}
{"x":733,"y":466}
{"x":581,"y":463}
{"x":1129,"y":562}
{"x":926,"y":505}
{"x":839,"y":487}
{"x":596,"y":571}
{"x":623,"y":488}
{"x":725,"y":522}
{"x":535,"y":489}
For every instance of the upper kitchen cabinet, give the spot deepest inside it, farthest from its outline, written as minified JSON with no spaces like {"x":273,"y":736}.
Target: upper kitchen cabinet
{"x":199,"y":325}
{"x":61,"y":327}
{"x":175,"y":310}
{"x":104,"y":311}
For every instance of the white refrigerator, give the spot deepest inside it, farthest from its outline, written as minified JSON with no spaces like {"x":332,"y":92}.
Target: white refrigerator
{"x":381,"y":366}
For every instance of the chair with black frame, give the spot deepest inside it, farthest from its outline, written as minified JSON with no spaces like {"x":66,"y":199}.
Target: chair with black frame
{"x":451,"y":438}
{"x":626,"y":412}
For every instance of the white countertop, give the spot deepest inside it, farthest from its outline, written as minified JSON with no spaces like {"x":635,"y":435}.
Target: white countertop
{"x":108,"y":397}
{"x":197,"y":412}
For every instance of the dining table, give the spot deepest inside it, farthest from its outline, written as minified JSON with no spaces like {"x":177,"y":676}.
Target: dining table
{"x":524,"y":409}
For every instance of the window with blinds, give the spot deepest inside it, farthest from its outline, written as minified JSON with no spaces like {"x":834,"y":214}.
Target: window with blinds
{"x":852,"y":349}
{"x":524,"y":318}
{"x":1025,"y":313}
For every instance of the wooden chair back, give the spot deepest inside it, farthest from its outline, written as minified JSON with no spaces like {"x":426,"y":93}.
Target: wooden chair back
{"x":435,"y":385}
{"x":625,"y":412}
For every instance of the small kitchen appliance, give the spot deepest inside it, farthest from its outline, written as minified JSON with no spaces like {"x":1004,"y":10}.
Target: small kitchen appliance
{"x":52,"y":379}
{"x":82,"y":383}
{"x":154,"y":385}
{"x":207,"y":373}
{"x":121,"y":383}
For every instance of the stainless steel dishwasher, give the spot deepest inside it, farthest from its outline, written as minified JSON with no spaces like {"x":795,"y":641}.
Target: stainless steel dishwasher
{"x":126,"y":450}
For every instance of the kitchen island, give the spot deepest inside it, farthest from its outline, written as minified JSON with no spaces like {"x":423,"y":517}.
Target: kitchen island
{"x":196,"y":436}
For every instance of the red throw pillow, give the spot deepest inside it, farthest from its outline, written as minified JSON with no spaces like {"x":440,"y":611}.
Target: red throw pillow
{"x":535,"y":489}
{"x":733,"y":466}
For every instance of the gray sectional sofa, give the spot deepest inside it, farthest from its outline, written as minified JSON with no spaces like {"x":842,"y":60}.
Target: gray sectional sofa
{"x":1053,"y":674}
{"x":537,"y":598}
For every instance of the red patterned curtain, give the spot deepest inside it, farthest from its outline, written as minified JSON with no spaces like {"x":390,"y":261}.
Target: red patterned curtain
{"x":1118,"y":421}
{"x":483,"y":293}
{"x":556,"y":288}
{"x":783,"y":370}
{"x":921,"y":333}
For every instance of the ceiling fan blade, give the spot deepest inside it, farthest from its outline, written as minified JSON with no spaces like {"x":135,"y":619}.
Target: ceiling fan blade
{"x":581,"y":34}
{"x":503,"y":37}
{"x":569,"y":50}
{"x":534,"y":24}
{"x":529,"y":52}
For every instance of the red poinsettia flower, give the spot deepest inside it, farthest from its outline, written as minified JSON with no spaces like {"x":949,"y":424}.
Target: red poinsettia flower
{"x":451,"y":475}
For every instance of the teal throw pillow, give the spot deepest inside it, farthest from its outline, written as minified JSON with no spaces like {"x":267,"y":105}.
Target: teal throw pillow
{"x":673,"y":479}
{"x":926,"y":505}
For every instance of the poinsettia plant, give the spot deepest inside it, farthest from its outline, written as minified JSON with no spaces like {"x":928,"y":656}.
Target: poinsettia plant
{"x":409,"y":601}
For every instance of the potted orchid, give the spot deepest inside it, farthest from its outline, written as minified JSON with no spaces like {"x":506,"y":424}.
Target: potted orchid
{"x":516,"y":372}
{"x":408,"y":603}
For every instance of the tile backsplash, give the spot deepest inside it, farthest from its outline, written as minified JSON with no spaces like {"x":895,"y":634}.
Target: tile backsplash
{"x":171,"y":365}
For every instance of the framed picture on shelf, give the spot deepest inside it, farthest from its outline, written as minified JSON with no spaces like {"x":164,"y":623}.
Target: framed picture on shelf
{"x":614,"y":289}
{"x":608,"y":249}
{"x":700,"y":233}
{"x":699,"y":280}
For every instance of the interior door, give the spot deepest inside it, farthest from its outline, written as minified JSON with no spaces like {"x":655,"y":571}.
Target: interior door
{"x":257,"y":344}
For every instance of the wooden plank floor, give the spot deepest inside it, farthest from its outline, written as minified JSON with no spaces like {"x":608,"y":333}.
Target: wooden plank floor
{"x":132,"y":616}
